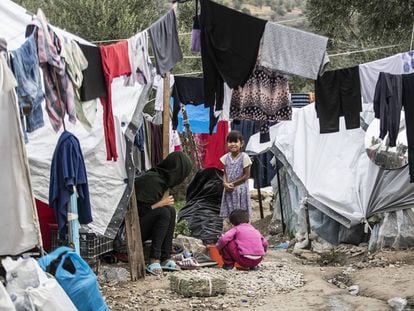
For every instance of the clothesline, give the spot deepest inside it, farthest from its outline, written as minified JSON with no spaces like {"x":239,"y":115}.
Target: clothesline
{"x":364,"y":50}
{"x":189,"y":33}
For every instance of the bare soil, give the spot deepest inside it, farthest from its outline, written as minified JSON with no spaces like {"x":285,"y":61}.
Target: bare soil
{"x":325,"y":279}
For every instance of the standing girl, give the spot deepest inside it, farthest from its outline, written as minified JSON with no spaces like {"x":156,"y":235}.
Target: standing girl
{"x":237,"y":164}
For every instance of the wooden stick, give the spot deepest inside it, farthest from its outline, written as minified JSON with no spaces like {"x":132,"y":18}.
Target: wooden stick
{"x":166,"y":117}
{"x":282,"y":218}
{"x":134,"y":242}
{"x":259,"y":193}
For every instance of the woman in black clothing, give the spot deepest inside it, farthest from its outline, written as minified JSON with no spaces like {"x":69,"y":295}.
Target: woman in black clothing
{"x":157,"y":215}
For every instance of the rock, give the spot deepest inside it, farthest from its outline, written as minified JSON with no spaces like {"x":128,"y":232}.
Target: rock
{"x":397,"y":303}
{"x":353,"y":290}
{"x":115,"y":274}
{"x":191,"y":244}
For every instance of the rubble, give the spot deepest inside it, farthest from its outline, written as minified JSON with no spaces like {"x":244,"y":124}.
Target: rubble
{"x":397,"y":303}
{"x":244,"y":289}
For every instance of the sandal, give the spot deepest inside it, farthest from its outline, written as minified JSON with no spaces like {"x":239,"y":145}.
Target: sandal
{"x":170,"y":265}
{"x":151,"y":268}
{"x":204,"y":260}
{"x":188,"y":264}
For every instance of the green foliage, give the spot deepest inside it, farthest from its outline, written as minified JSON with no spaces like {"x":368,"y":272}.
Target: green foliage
{"x":98,"y":19}
{"x":182,"y":228}
{"x":179,"y":204}
{"x":246,"y":11}
{"x":355,"y":25}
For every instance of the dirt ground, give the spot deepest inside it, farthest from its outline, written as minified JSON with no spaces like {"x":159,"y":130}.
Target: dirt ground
{"x":324,"y":283}
{"x":393,"y":278}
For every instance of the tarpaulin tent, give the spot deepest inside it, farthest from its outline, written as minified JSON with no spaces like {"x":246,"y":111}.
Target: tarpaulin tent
{"x":106,"y":179}
{"x":333,"y":170}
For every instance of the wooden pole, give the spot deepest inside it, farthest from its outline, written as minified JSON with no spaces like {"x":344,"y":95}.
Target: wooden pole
{"x":279,"y":186}
{"x":259,"y":193}
{"x":134,"y":242}
{"x":166,"y":117}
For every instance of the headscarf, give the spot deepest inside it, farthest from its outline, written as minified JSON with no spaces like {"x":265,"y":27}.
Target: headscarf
{"x":151,"y":186}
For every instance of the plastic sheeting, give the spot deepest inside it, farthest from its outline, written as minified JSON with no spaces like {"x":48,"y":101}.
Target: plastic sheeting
{"x":31,"y":289}
{"x":202,"y":210}
{"x":334,"y":169}
{"x":5,"y":302}
{"x":106,"y":179}
{"x":395,"y":230}
{"x":75,"y":277}
{"x":14,"y":19}
{"x":19,"y":227}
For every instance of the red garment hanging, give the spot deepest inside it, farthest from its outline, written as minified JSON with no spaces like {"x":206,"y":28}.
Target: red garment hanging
{"x":115,"y":63}
{"x":216,"y":146}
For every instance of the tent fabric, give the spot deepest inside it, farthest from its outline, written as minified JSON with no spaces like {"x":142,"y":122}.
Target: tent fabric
{"x":340,"y":179}
{"x":15,"y":18}
{"x":19,"y":229}
{"x":202,"y":210}
{"x":106,"y":179}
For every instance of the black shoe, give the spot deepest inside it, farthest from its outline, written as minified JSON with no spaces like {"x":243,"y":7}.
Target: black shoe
{"x":227,"y":267}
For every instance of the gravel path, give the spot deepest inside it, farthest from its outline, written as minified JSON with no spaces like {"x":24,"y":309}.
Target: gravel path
{"x":244,"y":289}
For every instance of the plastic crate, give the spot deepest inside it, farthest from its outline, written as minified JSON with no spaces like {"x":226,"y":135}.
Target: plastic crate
{"x":91,"y":245}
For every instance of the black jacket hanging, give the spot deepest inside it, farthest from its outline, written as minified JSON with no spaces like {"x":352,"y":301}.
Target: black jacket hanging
{"x":229,"y":46}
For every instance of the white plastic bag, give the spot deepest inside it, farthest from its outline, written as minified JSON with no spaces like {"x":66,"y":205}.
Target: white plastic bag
{"x":5,"y":302}
{"x":31,"y":289}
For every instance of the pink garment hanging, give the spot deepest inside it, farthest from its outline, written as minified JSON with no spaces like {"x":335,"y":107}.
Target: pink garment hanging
{"x":115,"y":63}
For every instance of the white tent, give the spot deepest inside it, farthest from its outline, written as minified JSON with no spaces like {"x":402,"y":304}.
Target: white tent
{"x":338,"y":177}
{"x":107,"y":183}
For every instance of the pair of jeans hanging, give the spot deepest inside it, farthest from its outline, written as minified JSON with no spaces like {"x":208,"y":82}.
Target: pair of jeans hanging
{"x":29,"y":90}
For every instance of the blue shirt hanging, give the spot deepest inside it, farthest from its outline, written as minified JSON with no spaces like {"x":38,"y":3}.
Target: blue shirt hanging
{"x":68,"y":170}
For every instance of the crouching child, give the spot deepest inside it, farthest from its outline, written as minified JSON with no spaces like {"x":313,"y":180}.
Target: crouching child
{"x":243,"y":244}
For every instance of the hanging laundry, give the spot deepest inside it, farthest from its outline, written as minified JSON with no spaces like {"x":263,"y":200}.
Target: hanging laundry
{"x":60,"y":98}
{"x":338,"y":94}
{"x":293,"y":51}
{"x":266,"y":171}
{"x":196,"y":32}
{"x":387,"y":105}
{"x":216,"y":146}
{"x":115,"y":63}
{"x":229,"y":47}
{"x":401,"y":63}
{"x":156,"y":144}
{"x":93,"y":83}
{"x":186,"y":90}
{"x":175,"y":141}
{"x":25,"y":63}
{"x":158,"y":85}
{"x":76,"y":63}
{"x":224,"y":113}
{"x":68,"y":171}
{"x":408,"y":103}
{"x":299,"y":100}
{"x":141,"y":65}
{"x":174,"y":138}
{"x":165,"y":43}
{"x":196,"y":35}
{"x":264,"y":97}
